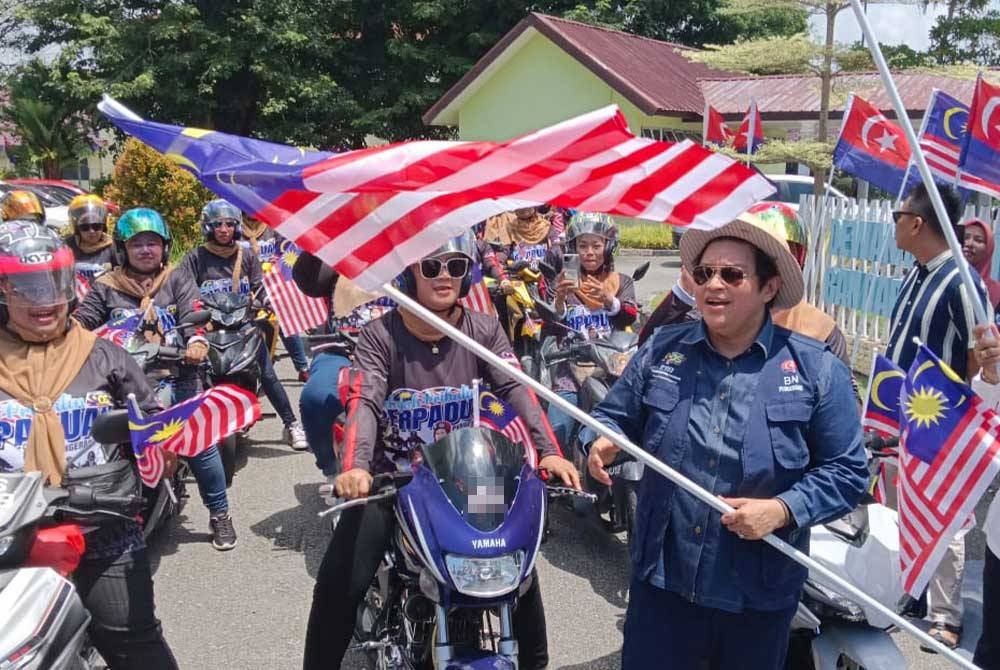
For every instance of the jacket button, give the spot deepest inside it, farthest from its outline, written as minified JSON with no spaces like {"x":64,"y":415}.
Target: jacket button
{"x":697,"y":530}
{"x":716,"y":430}
{"x":722,"y":396}
{"x":711,"y":462}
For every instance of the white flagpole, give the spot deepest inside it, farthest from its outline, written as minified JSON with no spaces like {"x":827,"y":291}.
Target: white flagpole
{"x":923,"y":129}
{"x":844,"y":587}
{"x":918,"y":155}
{"x":704,"y":126}
{"x":476,"y":384}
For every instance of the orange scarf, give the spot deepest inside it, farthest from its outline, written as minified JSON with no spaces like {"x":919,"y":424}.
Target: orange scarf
{"x":611,"y":282}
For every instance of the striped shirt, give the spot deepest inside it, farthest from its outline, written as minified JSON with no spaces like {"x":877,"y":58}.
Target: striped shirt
{"x":933,"y":305}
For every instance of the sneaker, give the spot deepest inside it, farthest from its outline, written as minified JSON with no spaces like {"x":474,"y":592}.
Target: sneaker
{"x":295,"y":437}
{"x":303,"y":376}
{"x":223,"y":532}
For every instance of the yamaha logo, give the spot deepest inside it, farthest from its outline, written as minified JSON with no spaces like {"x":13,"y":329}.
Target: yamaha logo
{"x":490,"y":543}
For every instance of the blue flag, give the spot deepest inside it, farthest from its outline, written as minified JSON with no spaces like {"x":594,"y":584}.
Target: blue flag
{"x":882,"y":403}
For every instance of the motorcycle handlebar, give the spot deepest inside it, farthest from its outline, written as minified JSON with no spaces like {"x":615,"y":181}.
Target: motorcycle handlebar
{"x":85,"y":497}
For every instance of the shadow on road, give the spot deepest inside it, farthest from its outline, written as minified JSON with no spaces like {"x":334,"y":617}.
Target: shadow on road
{"x":299,"y":528}
{"x":581,"y":546}
{"x":610,"y":662}
{"x":167,"y":540}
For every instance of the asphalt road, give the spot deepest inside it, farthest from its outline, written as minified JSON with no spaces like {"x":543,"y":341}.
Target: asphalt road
{"x":247,"y":608}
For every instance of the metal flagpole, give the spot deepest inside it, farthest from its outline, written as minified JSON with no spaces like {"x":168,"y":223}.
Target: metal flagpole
{"x":923,"y":128}
{"x":918,"y":155}
{"x":846,"y":588}
{"x":704,"y":126}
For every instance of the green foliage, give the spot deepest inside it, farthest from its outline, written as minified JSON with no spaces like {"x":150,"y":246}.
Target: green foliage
{"x":968,"y":33}
{"x":646,"y":235}
{"x":144,"y":178}
{"x":814,"y":154}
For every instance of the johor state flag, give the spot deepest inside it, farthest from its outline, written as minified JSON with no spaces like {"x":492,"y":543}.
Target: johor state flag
{"x":980,"y":160}
{"x":188,"y":428}
{"x":372,"y":212}
{"x":871,"y":147}
{"x":296,"y":311}
{"x":948,"y":457}
{"x":751,"y":133}
{"x":881,"y":412}
{"x":715,"y":131}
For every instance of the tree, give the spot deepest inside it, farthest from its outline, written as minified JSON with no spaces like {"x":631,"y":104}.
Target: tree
{"x":49,"y":124}
{"x":968,"y":33}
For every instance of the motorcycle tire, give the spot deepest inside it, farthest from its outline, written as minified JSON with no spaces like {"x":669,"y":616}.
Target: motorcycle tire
{"x":227,"y":450}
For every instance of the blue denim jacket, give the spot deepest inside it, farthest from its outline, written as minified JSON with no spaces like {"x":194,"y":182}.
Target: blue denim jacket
{"x":779,"y":420}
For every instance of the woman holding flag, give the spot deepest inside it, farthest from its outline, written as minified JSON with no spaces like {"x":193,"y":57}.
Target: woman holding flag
{"x":398,"y":358}
{"x":54,"y":375}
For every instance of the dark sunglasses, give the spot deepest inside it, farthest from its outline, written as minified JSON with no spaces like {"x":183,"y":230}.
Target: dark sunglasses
{"x":457,"y":268}
{"x":225,"y":223}
{"x":730,"y":274}
{"x":90,"y":227}
{"x":898,"y":214}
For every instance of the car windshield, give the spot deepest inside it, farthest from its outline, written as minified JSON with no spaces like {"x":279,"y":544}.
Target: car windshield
{"x":478,"y":470}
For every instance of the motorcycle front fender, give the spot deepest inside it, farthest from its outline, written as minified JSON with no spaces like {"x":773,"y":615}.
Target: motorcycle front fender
{"x":489,"y":662}
{"x":871,"y":648}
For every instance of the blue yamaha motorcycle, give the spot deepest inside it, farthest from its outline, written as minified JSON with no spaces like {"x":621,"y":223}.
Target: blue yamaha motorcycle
{"x":470,"y":515}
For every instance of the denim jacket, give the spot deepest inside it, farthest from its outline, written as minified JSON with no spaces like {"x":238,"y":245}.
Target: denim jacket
{"x":790,"y":428}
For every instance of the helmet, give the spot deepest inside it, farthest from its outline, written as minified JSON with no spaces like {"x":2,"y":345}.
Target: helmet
{"x":590,"y":223}
{"x":220,"y":210}
{"x":21,"y":205}
{"x":783,"y":222}
{"x":36,"y":265}
{"x":140,"y":220}
{"x":464,"y":244}
{"x":87,"y":208}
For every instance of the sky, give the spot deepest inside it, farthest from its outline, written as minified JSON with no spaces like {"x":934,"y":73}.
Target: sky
{"x":893,"y":23}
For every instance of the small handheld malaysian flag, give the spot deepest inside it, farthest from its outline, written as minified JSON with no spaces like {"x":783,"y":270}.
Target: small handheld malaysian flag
{"x":296,"y":311}
{"x":495,"y":414}
{"x":478,"y":298}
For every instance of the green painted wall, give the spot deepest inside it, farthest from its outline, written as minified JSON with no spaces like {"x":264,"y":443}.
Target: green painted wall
{"x":541,"y":85}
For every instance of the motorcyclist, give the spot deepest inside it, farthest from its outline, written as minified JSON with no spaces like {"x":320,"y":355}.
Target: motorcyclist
{"x":220,"y":264}
{"x":147,"y":285}
{"x":600,"y":302}
{"x":268,"y":246}
{"x":397,"y":357}
{"x":55,"y":377}
{"x":91,"y":245}
{"x":21,"y":205}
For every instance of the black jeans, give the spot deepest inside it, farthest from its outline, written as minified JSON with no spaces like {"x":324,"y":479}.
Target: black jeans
{"x":118,"y":593}
{"x":987,"y":654}
{"x":361,"y":539}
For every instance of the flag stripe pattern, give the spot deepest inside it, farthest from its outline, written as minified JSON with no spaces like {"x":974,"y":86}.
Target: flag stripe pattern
{"x":372,"y":212}
{"x":507,"y":423}
{"x":478,"y":298}
{"x":948,"y":457}
{"x":296,"y":311}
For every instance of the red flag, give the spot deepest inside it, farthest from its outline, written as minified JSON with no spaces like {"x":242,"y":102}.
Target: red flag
{"x":980,"y":160}
{"x":715,"y":130}
{"x":751,"y":133}
{"x":372,"y":212}
{"x":296,"y":311}
{"x":871,"y":147}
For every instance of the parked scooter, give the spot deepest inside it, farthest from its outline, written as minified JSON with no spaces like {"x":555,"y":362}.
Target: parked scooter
{"x":43,"y":623}
{"x":831,"y":632}
{"x":444,"y":594}
{"x":234,"y":343}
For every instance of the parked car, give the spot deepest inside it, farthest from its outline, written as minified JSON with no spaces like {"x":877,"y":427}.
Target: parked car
{"x":59,"y":189}
{"x":791,"y":187}
{"x":56,"y":212}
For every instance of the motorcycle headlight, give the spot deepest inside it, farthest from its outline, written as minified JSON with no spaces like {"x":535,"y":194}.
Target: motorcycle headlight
{"x":6,"y":543}
{"x":832,"y":603}
{"x":485,"y":577}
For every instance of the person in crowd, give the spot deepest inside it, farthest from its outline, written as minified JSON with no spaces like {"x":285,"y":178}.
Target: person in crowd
{"x":146,"y":285}
{"x":758,"y":415}
{"x":351,"y":307}
{"x":91,"y":245}
{"x":21,"y":205}
{"x":676,"y":307}
{"x":522,"y":235}
{"x":50,"y":366}
{"x":599,"y":301}
{"x":977,"y":247}
{"x":987,"y":385}
{"x":396,"y":356}
{"x":267,"y":246}
{"x":934,"y":307}
{"x":220,"y":264}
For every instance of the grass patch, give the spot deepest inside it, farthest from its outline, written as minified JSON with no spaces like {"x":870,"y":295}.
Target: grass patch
{"x":642,"y":235}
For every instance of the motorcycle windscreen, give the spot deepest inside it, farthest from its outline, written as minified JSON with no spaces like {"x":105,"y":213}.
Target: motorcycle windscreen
{"x":478,"y":470}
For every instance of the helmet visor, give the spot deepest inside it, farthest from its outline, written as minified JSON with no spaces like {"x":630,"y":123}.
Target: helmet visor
{"x":41,"y":289}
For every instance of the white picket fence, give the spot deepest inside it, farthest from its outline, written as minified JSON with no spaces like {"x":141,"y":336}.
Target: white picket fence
{"x":851,"y":243}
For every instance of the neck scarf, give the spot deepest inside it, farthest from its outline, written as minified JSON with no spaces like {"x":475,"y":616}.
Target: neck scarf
{"x":254,"y":230}
{"x":100,"y":245}
{"x":422,"y":330}
{"x":611,"y":282}
{"x":348,"y":296}
{"x":227,"y":251}
{"x":534,"y":231}
{"x":35,"y":374}
{"x":144,"y":289}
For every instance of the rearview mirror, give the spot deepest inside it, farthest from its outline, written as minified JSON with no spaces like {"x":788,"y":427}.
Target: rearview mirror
{"x":640,"y":271}
{"x":547,"y":311}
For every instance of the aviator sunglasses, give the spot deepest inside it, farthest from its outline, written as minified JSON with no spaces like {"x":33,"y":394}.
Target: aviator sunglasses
{"x":90,"y":227}
{"x":730,"y":274}
{"x":430,"y":268}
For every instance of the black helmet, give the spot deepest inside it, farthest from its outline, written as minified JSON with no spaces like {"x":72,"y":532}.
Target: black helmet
{"x":35,"y":265}
{"x":591,"y":223}
{"x":221,"y":210}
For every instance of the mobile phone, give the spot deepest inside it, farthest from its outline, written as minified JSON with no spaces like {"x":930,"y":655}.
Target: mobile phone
{"x":571,"y":267}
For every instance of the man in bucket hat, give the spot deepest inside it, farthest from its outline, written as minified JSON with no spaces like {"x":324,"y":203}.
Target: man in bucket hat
{"x":756,"y":414}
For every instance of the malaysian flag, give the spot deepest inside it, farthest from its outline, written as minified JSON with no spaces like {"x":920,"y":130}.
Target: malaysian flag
{"x":296,"y":311}
{"x":120,"y":327}
{"x":881,"y":412}
{"x":497,"y":415}
{"x":947,"y":457}
{"x":82,"y":285}
{"x":941,"y":136}
{"x":478,"y":299}
{"x":372,"y":212}
{"x":188,"y":428}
